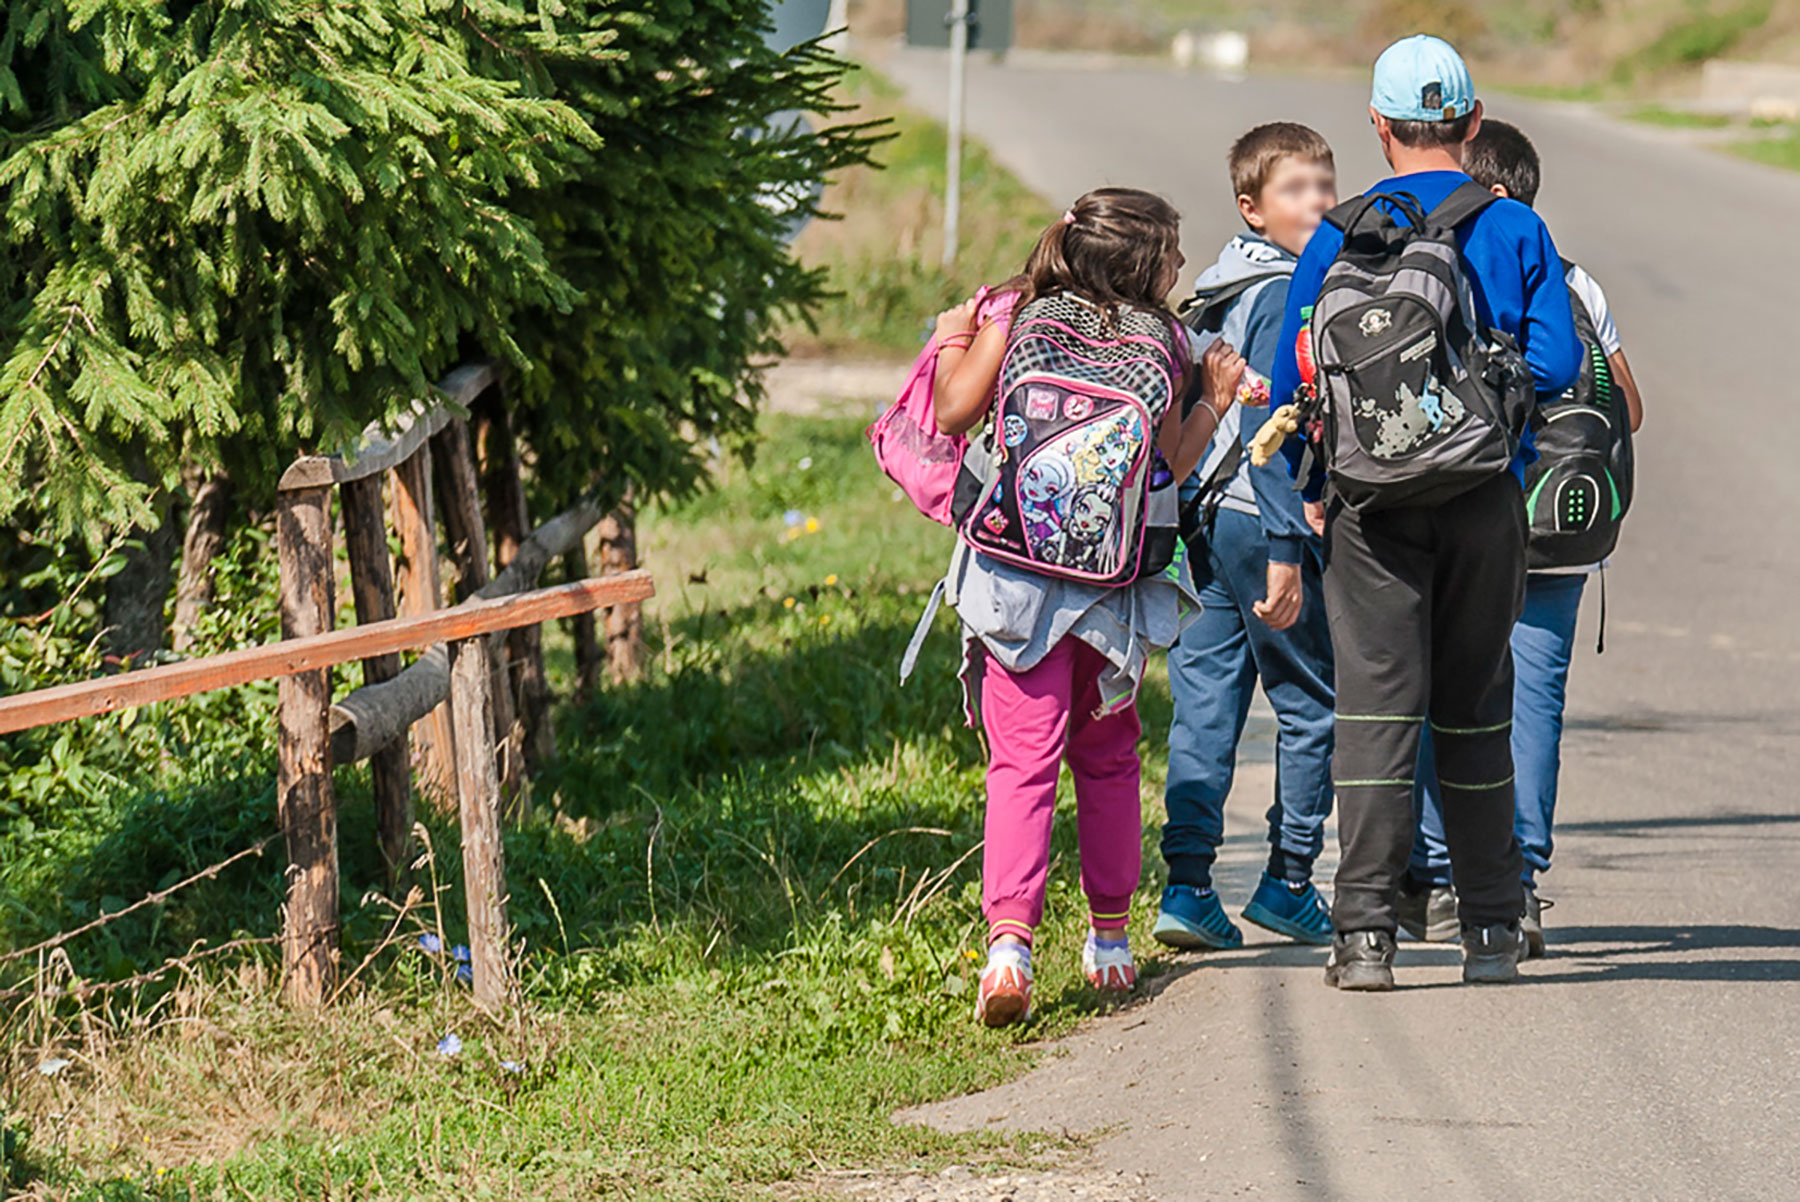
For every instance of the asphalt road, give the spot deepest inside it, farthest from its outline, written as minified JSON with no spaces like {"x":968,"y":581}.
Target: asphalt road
{"x":1655,"y":1054}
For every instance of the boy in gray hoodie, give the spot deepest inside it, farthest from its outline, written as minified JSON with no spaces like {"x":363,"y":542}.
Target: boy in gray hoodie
{"x":1256,"y":564}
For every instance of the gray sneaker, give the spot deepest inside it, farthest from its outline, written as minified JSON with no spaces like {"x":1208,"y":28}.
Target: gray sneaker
{"x":1361,"y":962}
{"x":1491,"y":954}
{"x":1533,"y":924}
{"x":1429,"y":915}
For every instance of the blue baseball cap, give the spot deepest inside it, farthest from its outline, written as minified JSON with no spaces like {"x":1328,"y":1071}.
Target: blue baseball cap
{"x":1422,"y":78}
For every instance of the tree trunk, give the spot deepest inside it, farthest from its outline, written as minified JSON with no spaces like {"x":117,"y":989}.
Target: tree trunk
{"x":205,"y":540}
{"x":509,"y":521}
{"x":582,"y":627}
{"x":137,"y":593}
{"x":304,"y":801}
{"x":372,"y":585}
{"x":624,"y":623}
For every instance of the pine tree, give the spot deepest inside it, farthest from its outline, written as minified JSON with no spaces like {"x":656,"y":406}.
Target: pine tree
{"x":234,"y":228}
{"x":238,"y":229}
{"x":674,"y":230}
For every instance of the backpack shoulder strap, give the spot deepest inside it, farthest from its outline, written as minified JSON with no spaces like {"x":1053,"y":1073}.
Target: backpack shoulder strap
{"x":1204,"y":313}
{"x":1462,"y":205}
{"x":1198,"y":514}
{"x":1346,"y":215}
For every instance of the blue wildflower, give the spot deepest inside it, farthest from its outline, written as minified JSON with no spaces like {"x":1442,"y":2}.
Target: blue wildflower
{"x":431,"y":943}
{"x":449,"y":1045}
{"x":512,"y":1066}
{"x":792,"y":517}
{"x":460,"y":954}
{"x":465,"y":974}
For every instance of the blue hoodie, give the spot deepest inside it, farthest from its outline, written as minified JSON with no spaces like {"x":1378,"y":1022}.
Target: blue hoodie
{"x":1514,"y":271}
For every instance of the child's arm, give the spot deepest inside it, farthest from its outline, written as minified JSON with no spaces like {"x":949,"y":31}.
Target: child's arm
{"x":1634,"y":400}
{"x":1183,"y":443}
{"x":968,"y":364}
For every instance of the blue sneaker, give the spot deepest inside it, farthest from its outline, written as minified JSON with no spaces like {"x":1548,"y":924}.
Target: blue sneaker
{"x":1193,"y":918}
{"x":1301,"y":916}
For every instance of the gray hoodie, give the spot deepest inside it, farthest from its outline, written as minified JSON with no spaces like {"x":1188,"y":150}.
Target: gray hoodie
{"x":1252,"y":324}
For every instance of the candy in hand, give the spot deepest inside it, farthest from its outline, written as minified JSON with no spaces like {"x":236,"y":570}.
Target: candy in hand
{"x":1252,"y":389}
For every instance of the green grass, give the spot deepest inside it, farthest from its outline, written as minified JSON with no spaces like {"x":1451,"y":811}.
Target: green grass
{"x":749,"y":905}
{"x":1783,"y":151}
{"x":1658,"y":114}
{"x":1690,"y":41}
{"x":884,"y":254}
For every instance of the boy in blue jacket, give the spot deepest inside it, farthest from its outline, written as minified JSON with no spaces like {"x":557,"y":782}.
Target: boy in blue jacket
{"x":1422,"y":598}
{"x":1256,"y":564}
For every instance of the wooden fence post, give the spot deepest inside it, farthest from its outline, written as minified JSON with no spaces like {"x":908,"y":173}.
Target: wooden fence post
{"x":478,"y":800}
{"x":624,"y":623}
{"x":304,"y":801}
{"x":511,"y":526}
{"x":372,"y":585}
{"x":459,"y":495}
{"x":420,"y":593}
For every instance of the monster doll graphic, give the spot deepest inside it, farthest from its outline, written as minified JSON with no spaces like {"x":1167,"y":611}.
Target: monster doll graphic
{"x":1103,"y":452}
{"x":1085,"y":542}
{"x":1044,"y":485}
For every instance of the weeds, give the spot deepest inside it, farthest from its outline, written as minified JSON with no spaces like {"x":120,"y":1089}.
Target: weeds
{"x":748,"y":914}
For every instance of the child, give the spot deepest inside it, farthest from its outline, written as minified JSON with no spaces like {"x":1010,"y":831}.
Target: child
{"x":1052,"y":664}
{"x":1422,"y":592}
{"x":1256,"y":564}
{"x":1503,"y":159}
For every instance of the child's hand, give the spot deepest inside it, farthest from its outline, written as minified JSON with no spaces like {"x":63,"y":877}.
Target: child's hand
{"x":959,"y":320}
{"x":1315,"y":516}
{"x":1223,"y":368}
{"x":1281,"y":608}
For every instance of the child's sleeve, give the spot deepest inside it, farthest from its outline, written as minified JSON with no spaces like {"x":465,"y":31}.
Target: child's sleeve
{"x":1282,"y":520}
{"x":1593,"y":298}
{"x":1547,"y":327}
{"x":1284,"y":375}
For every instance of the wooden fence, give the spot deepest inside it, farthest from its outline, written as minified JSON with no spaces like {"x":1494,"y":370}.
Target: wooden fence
{"x":457,"y":699}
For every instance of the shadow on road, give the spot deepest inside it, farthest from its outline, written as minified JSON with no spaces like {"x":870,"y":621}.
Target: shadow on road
{"x":1629,"y":826}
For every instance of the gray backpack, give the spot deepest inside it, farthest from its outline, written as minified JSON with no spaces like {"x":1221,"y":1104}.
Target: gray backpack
{"x":1417,"y":403}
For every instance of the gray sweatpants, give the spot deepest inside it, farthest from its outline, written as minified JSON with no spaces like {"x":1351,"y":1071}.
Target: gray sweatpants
{"x":1422,"y":602}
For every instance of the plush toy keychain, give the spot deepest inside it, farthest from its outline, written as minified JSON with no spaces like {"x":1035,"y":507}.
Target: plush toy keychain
{"x":1285,"y":421}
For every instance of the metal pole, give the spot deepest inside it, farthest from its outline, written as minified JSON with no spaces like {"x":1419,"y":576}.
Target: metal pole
{"x":959,"y":59}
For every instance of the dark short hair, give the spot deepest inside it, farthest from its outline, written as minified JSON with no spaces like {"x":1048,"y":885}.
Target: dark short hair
{"x":1502,"y":154}
{"x":1255,"y":156}
{"x":1426,"y":135}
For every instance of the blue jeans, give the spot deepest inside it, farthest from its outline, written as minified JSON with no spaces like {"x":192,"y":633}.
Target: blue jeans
{"x":1543,"y":642}
{"x":1213,"y":672}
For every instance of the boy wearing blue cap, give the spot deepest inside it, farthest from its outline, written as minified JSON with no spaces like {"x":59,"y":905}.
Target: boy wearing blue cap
{"x":1422,"y":597}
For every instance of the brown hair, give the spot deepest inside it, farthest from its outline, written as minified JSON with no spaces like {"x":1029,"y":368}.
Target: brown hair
{"x":1431,"y":135}
{"x":1500,"y":153}
{"x":1255,"y":156}
{"x":1109,"y":249}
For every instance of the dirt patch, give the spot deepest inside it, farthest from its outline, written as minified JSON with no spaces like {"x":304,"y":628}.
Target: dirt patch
{"x":959,"y":1183}
{"x":831,"y":387}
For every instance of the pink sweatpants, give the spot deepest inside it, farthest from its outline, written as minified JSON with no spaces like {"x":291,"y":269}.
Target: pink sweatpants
{"x":1033,"y":719}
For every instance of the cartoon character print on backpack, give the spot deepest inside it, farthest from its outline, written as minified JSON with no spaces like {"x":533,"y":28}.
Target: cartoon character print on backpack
{"x":1079,"y":394}
{"x":1069,"y":492}
{"x":1044,"y":485}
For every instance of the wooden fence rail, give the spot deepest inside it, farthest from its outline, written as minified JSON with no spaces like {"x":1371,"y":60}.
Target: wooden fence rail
{"x":63,"y":703}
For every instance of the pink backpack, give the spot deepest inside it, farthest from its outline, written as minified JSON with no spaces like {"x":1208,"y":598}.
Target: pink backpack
{"x":906,"y":441}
